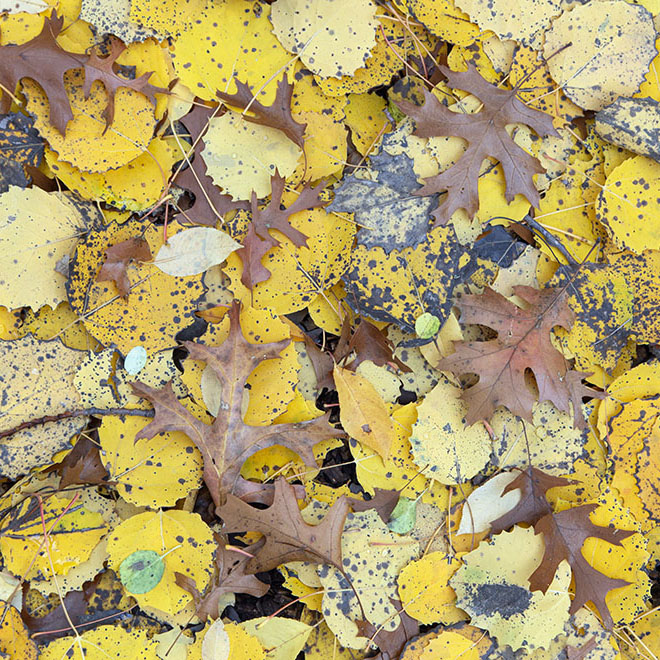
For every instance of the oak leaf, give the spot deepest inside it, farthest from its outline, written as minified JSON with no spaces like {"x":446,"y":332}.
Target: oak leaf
{"x":277,"y":115}
{"x":390,"y":643}
{"x":117,"y":259}
{"x":523,"y":342}
{"x":228,"y":441}
{"x":259,"y":240}
{"x":230,"y":578}
{"x":288,"y":536}
{"x":564,"y":533}
{"x":210,"y":203}
{"x":486,"y":135}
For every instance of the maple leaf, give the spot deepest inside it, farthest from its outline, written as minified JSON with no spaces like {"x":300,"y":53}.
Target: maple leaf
{"x":486,"y":135}
{"x":210,"y":203}
{"x":288,"y":536}
{"x":523,"y":342}
{"x":117,"y":258}
{"x":101,"y":68}
{"x":564,"y":533}
{"x":277,"y":115}
{"x":43,"y":60}
{"x":228,"y":442}
{"x":230,"y":577}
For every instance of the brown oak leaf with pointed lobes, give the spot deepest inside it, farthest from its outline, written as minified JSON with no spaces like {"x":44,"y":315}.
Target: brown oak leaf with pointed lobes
{"x":210,"y":203}
{"x":277,"y":115}
{"x":564,"y":533}
{"x":390,"y":642}
{"x":228,"y":442}
{"x":523,"y":342}
{"x":229,"y":578}
{"x":287,"y":536}
{"x":533,"y":504}
{"x":101,"y":68}
{"x":486,"y":135}
{"x":258,"y":240}
{"x":117,"y":258}
{"x":43,"y":60}
{"x":274,"y":217}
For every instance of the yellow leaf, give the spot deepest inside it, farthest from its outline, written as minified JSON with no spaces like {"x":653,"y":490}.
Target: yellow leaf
{"x":628,"y":205}
{"x":87,"y":145}
{"x":443,"y":19}
{"x":281,"y":638}
{"x":15,"y":642}
{"x":37,"y":229}
{"x":424,"y":589}
{"x":181,"y":539}
{"x":449,"y":645}
{"x":72,"y":533}
{"x":225,"y":41}
{"x":364,"y":414}
{"x":319,"y":33}
{"x":152,"y":473}
{"x":448,"y":451}
{"x":365,"y":116}
{"x":241,"y":156}
{"x":103,"y":643}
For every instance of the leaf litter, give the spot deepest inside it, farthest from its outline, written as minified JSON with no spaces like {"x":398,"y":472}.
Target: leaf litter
{"x":325,"y":321}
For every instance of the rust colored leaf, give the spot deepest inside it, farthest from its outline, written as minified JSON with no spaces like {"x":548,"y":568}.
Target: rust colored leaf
{"x":322,"y":363}
{"x":102,"y":68}
{"x":278,"y":115}
{"x":210,"y":203}
{"x":486,"y":135}
{"x":82,"y":465}
{"x":230,"y":577}
{"x":117,"y":259}
{"x":228,"y":442}
{"x":564,"y":534}
{"x":287,"y":536}
{"x":253,"y":250}
{"x":523,"y":342}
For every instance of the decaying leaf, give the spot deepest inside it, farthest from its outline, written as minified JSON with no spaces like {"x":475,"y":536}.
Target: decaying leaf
{"x":117,"y":259}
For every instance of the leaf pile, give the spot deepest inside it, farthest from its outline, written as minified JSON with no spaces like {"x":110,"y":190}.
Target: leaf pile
{"x":329,"y":329}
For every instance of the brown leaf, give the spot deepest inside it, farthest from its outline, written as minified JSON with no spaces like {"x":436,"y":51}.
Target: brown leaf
{"x":383,"y":502}
{"x":117,"y":258}
{"x":369,"y":343}
{"x":322,"y":363}
{"x":533,"y":505}
{"x":274,"y":217}
{"x":228,"y":442}
{"x":230,"y":577}
{"x":82,"y":465}
{"x":564,"y":533}
{"x":486,"y":134}
{"x":42,"y":59}
{"x":523,"y":342}
{"x":278,"y":115}
{"x":101,"y":68}
{"x":210,"y":203}
{"x":258,"y":239}
{"x":253,"y":250}
{"x":391,"y":643}
{"x":287,"y":536}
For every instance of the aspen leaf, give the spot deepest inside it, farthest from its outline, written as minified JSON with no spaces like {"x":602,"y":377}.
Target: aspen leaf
{"x":364,"y":415}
